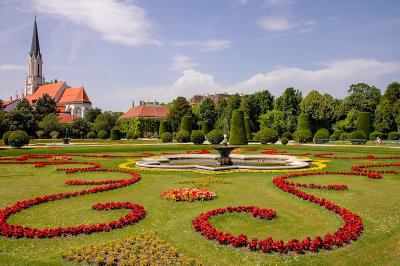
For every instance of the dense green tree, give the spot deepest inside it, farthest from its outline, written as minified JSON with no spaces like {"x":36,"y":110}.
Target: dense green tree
{"x":105,"y":121}
{"x":289,"y":104}
{"x":385,"y":117}
{"x":392,"y":93}
{"x":349,"y":124}
{"x":92,"y":114}
{"x":320,"y":108}
{"x":220,"y":107}
{"x":50,"y":123}
{"x":45,"y":105}
{"x":208,"y":111}
{"x":273,"y":119}
{"x":233,"y":103}
{"x":22,"y":118}
{"x":79,"y":127}
{"x":3,"y":123}
{"x":251,"y":110}
{"x":265,"y":101}
{"x":180,"y":108}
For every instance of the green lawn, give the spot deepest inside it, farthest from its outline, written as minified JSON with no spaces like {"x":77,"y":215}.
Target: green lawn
{"x":376,"y":201}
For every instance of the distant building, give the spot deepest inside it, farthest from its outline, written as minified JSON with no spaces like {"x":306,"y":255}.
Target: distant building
{"x":198,"y":99}
{"x":146,"y":110}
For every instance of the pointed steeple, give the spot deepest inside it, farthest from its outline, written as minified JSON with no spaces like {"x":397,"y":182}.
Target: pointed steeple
{"x":35,"y":48}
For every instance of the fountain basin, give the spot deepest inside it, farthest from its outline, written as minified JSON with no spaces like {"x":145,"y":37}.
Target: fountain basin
{"x":280,"y":162}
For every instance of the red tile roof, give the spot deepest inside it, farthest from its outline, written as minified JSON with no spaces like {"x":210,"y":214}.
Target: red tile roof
{"x":149,"y":111}
{"x":50,"y":89}
{"x":77,"y":94}
{"x":65,"y":118}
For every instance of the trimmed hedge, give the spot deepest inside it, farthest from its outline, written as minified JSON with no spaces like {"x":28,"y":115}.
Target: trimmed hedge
{"x":238,"y":131}
{"x":197,"y":137}
{"x":364,"y":122}
{"x":102,"y":134}
{"x":287,"y":135}
{"x":115,"y":134}
{"x":247,"y":125}
{"x":394,"y":135}
{"x":206,"y":127}
{"x":268,"y":135}
{"x":18,"y":139}
{"x":163,"y":127}
{"x":284,"y":140}
{"x":322,"y":133}
{"x":6,"y":136}
{"x":186,"y":124}
{"x":215,"y":136}
{"x":91,"y":135}
{"x":304,"y":136}
{"x":304,"y":122}
{"x":358,"y":134}
{"x":376,"y":134}
{"x":182,"y":136}
{"x":166,"y":137}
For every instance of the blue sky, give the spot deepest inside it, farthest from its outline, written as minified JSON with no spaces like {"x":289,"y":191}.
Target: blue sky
{"x":124,"y":51}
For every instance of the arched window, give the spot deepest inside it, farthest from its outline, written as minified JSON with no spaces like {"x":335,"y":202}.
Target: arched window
{"x":78,"y":112}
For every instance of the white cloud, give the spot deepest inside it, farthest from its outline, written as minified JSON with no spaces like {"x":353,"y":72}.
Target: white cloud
{"x":116,"y":21}
{"x":275,"y":23}
{"x":207,"y":45}
{"x":268,"y":3}
{"x":181,"y":62}
{"x":193,"y":82}
{"x":12,"y":67}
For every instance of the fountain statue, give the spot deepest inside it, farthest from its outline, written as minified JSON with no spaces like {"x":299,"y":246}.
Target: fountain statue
{"x":66,"y":138}
{"x":225,"y":150}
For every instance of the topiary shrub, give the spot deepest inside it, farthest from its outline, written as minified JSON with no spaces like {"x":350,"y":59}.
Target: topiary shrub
{"x":304,"y":136}
{"x":197,"y":137}
{"x":376,"y":134}
{"x":394,"y":135}
{"x":321,"y":135}
{"x":186,"y":124}
{"x":91,"y":135}
{"x":163,"y":127}
{"x":6,"y":136}
{"x":182,"y":136}
{"x":18,"y":139}
{"x":215,"y":136}
{"x":343,"y":136}
{"x":238,"y":131}
{"x":206,"y":127}
{"x":102,"y":134}
{"x":364,"y":122}
{"x":247,"y":125}
{"x":115,"y":134}
{"x":287,"y":135}
{"x":358,"y":134}
{"x":284,"y":140}
{"x":268,"y":135}
{"x":304,"y":122}
{"x":166,"y":137}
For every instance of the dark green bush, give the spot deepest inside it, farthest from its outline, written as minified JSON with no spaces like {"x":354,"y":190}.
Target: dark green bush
{"x":186,"y":124}
{"x":358,"y":134}
{"x":129,"y":135}
{"x":268,"y":135}
{"x":394,"y":135}
{"x":215,"y":136}
{"x":182,"y":136}
{"x":197,"y":137}
{"x":6,"y":136}
{"x":102,"y":134}
{"x":115,"y":134}
{"x":334,"y":136}
{"x":91,"y":135}
{"x":376,"y":134}
{"x":166,"y":137}
{"x":206,"y":127}
{"x":284,"y":140}
{"x":304,"y":122}
{"x":343,"y":136}
{"x":287,"y":135}
{"x":247,"y":125}
{"x":18,"y":139}
{"x":238,"y":131}
{"x":322,"y":133}
{"x":304,"y":136}
{"x":364,"y":122}
{"x":163,"y":127}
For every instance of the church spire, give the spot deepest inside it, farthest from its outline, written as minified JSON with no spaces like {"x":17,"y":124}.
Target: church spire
{"x":35,"y":48}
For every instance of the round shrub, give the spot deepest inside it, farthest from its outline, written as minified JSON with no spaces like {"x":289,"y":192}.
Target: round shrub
{"x":358,"y":134}
{"x":304,"y":136}
{"x":247,"y":125}
{"x":6,"y":136}
{"x":182,"y":136}
{"x":284,"y":140}
{"x":18,"y":139}
{"x":129,"y":135}
{"x":322,"y":133}
{"x":268,"y":135}
{"x":166,"y":137}
{"x":343,"y":136}
{"x":304,"y":122}
{"x":376,"y":134}
{"x":102,"y":134}
{"x":215,"y":136}
{"x":163,"y":127}
{"x":197,"y":137}
{"x":238,"y":131}
{"x":334,"y":136}
{"x":287,"y":135}
{"x":115,"y":134}
{"x":186,"y":124}
{"x":206,"y":127}
{"x":394,"y":135}
{"x":91,"y":135}
{"x":364,"y":122}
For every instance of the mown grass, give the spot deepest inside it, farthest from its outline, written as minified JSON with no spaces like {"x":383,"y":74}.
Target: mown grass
{"x":376,"y":201}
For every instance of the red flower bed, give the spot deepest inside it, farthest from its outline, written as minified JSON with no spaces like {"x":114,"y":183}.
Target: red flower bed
{"x":351,"y":229}
{"x":137,"y":211}
{"x":330,"y":156}
{"x":360,"y":168}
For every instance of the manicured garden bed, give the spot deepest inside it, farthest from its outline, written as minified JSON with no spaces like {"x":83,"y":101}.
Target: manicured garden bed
{"x":266,"y":210}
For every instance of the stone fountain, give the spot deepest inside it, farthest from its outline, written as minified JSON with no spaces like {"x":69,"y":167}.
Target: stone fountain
{"x":224,"y":152}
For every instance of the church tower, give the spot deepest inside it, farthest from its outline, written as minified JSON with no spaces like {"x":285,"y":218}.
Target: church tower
{"x":35,"y":77}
